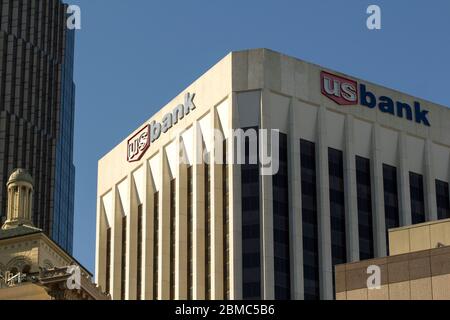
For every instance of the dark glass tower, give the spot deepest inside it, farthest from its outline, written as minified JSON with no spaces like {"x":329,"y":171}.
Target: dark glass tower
{"x":37,"y":102}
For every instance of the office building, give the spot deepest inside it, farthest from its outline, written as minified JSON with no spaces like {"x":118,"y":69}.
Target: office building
{"x":37,"y":101}
{"x":354,"y":160}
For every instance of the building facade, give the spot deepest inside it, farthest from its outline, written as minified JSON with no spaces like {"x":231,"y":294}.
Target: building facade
{"x":37,"y":102}
{"x":32,"y":266}
{"x":354,"y":159}
{"x":417,"y":269}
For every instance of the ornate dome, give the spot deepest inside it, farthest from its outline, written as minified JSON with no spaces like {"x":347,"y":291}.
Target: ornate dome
{"x":20,"y":175}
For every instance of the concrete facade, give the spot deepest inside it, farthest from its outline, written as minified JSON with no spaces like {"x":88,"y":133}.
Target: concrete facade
{"x":264,"y":89}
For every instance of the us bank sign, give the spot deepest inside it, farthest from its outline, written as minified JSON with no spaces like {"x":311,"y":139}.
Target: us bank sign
{"x":139,"y":143}
{"x":345,"y":92}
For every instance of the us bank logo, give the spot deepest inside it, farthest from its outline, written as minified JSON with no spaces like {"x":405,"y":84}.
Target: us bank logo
{"x":346,"y":92}
{"x":138,"y":144}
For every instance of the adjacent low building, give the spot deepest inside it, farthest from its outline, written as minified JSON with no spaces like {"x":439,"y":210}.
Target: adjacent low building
{"x":32,"y":266}
{"x":417,"y":269}
{"x":354,"y":160}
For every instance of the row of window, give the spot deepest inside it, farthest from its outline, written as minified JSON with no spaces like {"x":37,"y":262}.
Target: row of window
{"x":251,"y":242}
{"x":364,"y":206}
{"x":35,"y":21}
{"x":280,"y":190}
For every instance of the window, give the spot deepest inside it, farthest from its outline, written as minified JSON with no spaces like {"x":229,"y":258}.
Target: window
{"x":108,"y":260}
{"x":337,"y":206}
{"x":309,"y":221}
{"x":391,"y":212}
{"x":155,"y":245}
{"x":207,"y":231}
{"x":139,"y":255}
{"x":124,"y":258}
{"x":417,"y":198}
{"x":226,"y":225}
{"x":442,"y":200}
{"x":172,"y":237}
{"x":281,"y":224}
{"x":365,"y":225}
{"x":251,"y":251}
{"x":190,"y":238}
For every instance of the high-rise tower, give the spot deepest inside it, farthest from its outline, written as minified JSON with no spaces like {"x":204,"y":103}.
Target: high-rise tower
{"x":37,"y":101}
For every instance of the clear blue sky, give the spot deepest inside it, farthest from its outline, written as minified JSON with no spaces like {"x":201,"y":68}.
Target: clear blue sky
{"x":132,"y":57}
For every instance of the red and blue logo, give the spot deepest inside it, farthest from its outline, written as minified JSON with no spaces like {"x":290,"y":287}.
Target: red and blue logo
{"x":346,"y":92}
{"x":138,"y":144}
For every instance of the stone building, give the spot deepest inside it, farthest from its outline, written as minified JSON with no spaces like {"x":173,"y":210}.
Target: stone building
{"x":32,"y":266}
{"x":418,"y":267}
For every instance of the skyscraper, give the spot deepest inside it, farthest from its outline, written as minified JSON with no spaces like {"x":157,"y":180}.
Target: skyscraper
{"x":355,"y":159}
{"x":37,"y":102}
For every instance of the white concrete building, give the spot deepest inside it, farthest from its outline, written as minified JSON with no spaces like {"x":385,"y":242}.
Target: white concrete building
{"x":355,"y":159}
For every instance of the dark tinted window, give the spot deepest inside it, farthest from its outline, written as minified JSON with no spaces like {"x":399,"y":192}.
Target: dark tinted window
{"x":155,"y":245}
{"x":442,"y":199}
{"x":417,"y":198}
{"x":124,"y":258}
{"x":364,"y":194}
{"x":391,"y":211}
{"x":337,"y":206}
{"x":281,"y":224}
{"x":226,"y":224}
{"x":208,"y":231}
{"x":251,"y":251}
{"x":172,"y":236}
{"x":190,"y":238}
{"x":309,"y":221}
{"x":139,"y":254}
{"x":108,"y":259}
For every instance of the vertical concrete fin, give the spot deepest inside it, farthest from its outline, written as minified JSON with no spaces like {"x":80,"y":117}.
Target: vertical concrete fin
{"x":235,"y":208}
{"x":430,"y":183}
{"x":295,"y":205}
{"x":403,"y":182}
{"x":323,"y":203}
{"x":266,"y":199}
{"x":351,"y":196}
{"x":378,"y":214}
